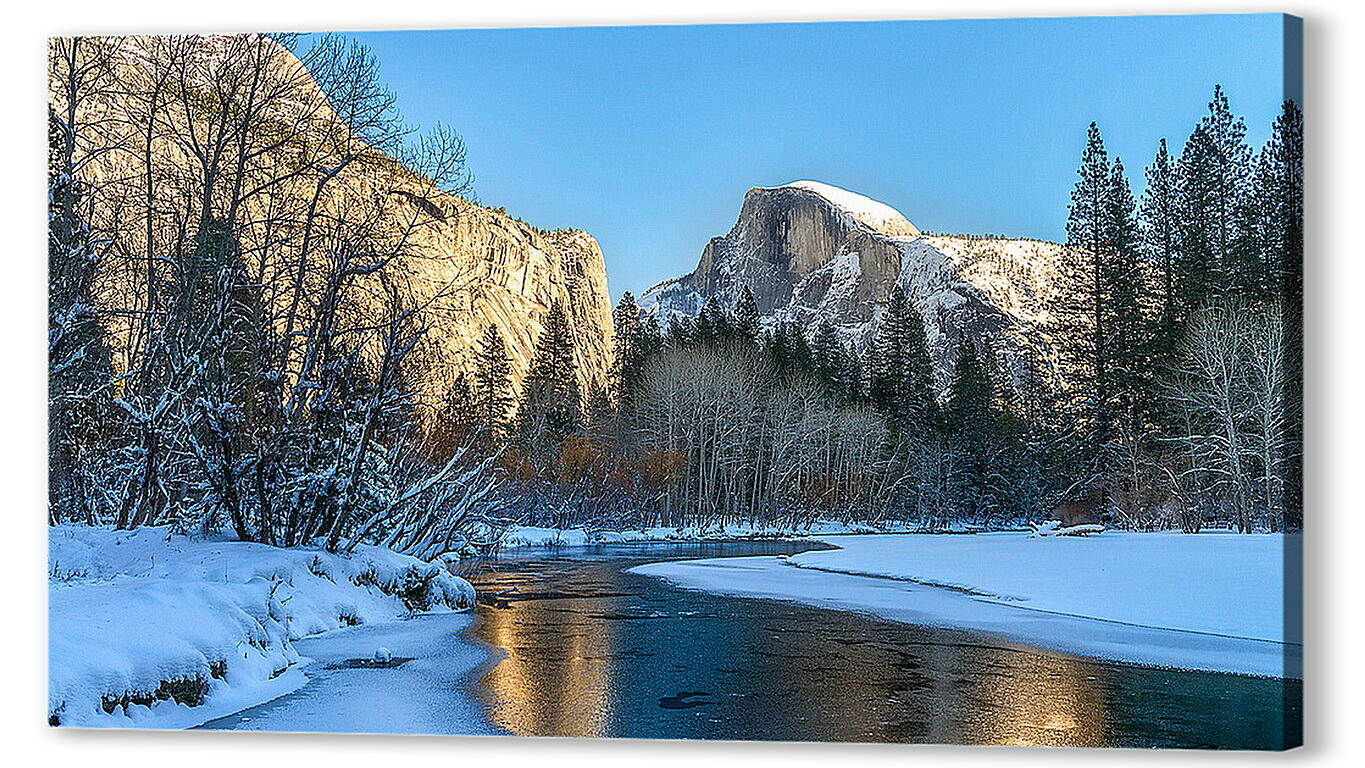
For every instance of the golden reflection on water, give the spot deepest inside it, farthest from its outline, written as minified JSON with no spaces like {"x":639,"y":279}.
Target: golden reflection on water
{"x":863,"y":681}
{"x":1036,"y":699}
{"x":971,"y":694}
{"x":552,"y":683}
{"x":849,"y":679}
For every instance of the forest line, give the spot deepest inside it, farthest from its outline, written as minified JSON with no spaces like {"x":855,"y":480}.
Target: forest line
{"x":1179,"y":405}
{"x":262,"y":371}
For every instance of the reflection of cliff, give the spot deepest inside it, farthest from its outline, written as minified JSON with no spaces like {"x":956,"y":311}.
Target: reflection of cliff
{"x":1034,"y":699}
{"x":599,"y":665}
{"x":929,"y":686}
{"x":555,"y":680}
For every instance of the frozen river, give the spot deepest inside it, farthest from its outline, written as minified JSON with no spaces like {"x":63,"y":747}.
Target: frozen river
{"x":579,"y":647}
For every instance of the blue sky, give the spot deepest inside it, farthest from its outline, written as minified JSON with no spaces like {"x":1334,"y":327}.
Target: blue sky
{"x":648,"y":137}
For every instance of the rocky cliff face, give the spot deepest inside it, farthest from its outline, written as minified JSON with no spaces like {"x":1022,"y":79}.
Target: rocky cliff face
{"x":507,"y":273}
{"x":469,"y":265}
{"x":809,"y":250}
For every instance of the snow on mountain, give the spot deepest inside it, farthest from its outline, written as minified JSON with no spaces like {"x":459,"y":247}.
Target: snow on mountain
{"x":864,"y":210}
{"x":810,"y":250}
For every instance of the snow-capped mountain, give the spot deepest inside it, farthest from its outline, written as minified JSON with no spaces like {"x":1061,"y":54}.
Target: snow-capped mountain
{"x":809,"y":250}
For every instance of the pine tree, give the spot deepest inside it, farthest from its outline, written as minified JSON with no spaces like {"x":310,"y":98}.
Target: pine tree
{"x":552,"y":402}
{"x":454,"y":422}
{"x":1159,"y":226}
{"x":216,"y":320}
{"x":899,"y":370}
{"x":746,"y":316}
{"x":1213,"y":171}
{"x":1125,"y":300}
{"x":1246,"y":269}
{"x":649,"y":340}
{"x":713,"y":323}
{"x":627,"y":362}
{"x":217,"y":334}
{"x":1279,"y":188}
{"x":971,"y":426}
{"x":1159,"y":232}
{"x":681,"y":330}
{"x":1100,"y":273}
{"x":1020,"y":470}
{"x":1088,"y":233}
{"x":194,"y":310}
{"x":832,"y":362}
{"x":1130,"y":345}
{"x":798,"y":346}
{"x":491,"y":389}
{"x":246,"y":342}
{"x":789,"y":349}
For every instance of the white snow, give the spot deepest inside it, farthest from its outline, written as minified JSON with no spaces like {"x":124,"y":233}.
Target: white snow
{"x":1055,"y":528}
{"x":533,"y":536}
{"x":838,"y":278}
{"x":426,"y":689}
{"x":1212,"y":601}
{"x":880,"y":217}
{"x":131,"y":610}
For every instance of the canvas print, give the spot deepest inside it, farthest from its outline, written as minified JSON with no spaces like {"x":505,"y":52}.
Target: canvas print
{"x":902,"y":381}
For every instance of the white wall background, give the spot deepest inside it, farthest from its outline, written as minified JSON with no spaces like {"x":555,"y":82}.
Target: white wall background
{"x":1335,"y":75}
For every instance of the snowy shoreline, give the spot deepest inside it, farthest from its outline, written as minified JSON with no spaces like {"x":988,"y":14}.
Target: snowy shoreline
{"x":1213,"y":602}
{"x":149,"y":629}
{"x":434,"y":689}
{"x":534,"y":536}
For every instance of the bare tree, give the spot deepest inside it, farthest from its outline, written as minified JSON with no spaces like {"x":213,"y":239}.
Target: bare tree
{"x":1230,"y":388}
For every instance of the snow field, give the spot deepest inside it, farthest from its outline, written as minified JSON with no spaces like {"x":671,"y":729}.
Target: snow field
{"x":1214,"y":582}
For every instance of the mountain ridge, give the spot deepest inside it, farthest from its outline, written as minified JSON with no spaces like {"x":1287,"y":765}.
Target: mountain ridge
{"x":810,"y":251}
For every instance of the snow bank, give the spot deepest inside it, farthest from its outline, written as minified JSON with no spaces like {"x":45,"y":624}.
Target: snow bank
{"x":1210,"y":601}
{"x":426,"y":691}
{"x":532,"y":536}
{"x":1219,"y":583}
{"x":149,"y":629}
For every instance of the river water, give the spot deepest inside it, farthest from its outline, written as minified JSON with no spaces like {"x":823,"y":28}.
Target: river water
{"x":594,"y":651}
{"x":582,"y":648}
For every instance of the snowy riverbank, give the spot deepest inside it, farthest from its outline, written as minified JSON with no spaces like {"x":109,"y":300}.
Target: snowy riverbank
{"x":1211,"y":601}
{"x":430,"y":687}
{"x":533,"y":536}
{"x":148,"y":629}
